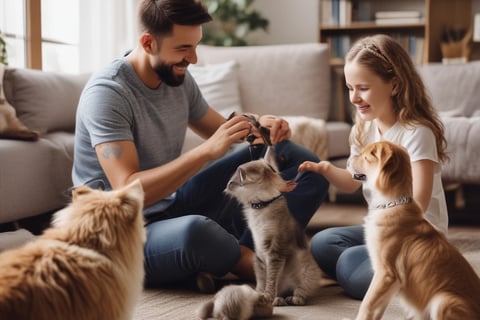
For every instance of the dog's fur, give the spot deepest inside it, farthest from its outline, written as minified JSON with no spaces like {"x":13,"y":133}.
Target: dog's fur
{"x":409,"y":255}
{"x":285,"y":270}
{"x":10,"y":126}
{"x":87,"y":265}
{"x":240,"y":302}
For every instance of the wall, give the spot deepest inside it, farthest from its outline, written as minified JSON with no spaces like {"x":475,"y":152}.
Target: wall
{"x":291,"y":21}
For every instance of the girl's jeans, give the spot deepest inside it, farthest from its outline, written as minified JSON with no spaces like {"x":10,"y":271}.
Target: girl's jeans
{"x":204,"y":228}
{"x":341,"y":252}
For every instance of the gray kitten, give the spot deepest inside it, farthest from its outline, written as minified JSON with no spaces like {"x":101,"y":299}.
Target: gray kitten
{"x":285,"y":270}
{"x":240,"y":302}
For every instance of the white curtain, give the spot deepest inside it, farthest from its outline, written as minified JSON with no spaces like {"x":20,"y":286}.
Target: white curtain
{"x":107,"y":30}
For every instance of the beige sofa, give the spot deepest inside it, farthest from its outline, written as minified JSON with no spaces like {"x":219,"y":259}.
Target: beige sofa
{"x":455,"y":91}
{"x":291,"y":80}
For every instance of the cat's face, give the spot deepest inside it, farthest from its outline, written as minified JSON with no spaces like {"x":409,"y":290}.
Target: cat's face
{"x":257,"y":180}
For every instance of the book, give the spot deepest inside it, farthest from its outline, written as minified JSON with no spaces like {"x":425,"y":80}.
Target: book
{"x":397,"y":14}
{"x":390,"y":21}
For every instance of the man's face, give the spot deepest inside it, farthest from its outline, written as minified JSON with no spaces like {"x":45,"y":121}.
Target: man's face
{"x":176,"y":52}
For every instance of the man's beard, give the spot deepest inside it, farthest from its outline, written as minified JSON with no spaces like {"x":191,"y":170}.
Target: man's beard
{"x":166,"y":74}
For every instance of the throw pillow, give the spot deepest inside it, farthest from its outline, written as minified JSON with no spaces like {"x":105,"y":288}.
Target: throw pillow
{"x":45,"y":101}
{"x":219,"y":86}
{"x":10,"y":126}
{"x":310,"y":133}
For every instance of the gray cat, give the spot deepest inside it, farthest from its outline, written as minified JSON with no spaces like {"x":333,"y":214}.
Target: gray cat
{"x":240,"y":302}
{"x":285,"y":271}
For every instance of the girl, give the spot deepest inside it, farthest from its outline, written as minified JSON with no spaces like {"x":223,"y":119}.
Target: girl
{"x":391,"y":104}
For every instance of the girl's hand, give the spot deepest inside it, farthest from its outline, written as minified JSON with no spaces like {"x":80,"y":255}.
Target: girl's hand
{"x":318,"y":167}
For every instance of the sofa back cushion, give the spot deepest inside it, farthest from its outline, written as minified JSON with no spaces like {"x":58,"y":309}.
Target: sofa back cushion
{"x":454,"y":88}
{"x":291,"y":79}
{"x":44,"y":101}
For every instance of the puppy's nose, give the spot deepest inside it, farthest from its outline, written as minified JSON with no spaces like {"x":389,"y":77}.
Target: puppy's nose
{"x":359,"y":176}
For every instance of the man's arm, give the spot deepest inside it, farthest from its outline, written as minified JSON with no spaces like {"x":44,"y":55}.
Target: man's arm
{"x":119,"y":159}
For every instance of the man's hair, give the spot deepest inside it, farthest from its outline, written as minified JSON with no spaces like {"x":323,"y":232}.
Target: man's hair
{"x":158,"y":16}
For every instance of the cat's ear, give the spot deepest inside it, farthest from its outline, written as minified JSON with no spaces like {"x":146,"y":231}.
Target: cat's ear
{"x":269,"y":157}
{"x":288,"y":186}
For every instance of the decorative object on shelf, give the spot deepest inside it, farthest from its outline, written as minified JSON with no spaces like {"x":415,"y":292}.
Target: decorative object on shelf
{"x":476,"y":28}
{"x":3,"y":50}
{"x":455,"y":45}
{"x":233,"y":21}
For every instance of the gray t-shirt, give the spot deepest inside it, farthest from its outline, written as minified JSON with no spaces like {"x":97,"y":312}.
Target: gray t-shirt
{"x":116,"y":105}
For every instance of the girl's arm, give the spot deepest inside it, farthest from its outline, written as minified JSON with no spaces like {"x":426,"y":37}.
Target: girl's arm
{"x":423,"y":171}
{"x":340,"y":178}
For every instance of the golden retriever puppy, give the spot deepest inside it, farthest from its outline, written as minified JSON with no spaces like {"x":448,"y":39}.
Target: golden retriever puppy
{"x":409,"y":256}
{"x":87,"y":265}
{"x":240,"y":302}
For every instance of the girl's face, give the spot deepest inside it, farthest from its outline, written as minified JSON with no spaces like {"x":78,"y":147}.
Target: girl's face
{"x":370,"y":94}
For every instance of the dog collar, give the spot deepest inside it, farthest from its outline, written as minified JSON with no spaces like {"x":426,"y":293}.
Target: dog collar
{"x":263,"y":204}
{"x":394,"y":203}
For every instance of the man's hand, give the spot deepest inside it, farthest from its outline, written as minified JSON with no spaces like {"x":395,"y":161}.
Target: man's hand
{"x":279,"y":128}
{"x":231,"y":131}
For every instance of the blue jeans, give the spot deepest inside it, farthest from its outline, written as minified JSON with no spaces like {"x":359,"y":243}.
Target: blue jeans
{"x":342,"y":254}
{"x":204,"y":228}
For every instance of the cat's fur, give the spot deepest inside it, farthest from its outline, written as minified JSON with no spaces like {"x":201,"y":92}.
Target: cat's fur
{"x":285,"y":270}
{"x":87,"y":265}
{"x":240,"y":302}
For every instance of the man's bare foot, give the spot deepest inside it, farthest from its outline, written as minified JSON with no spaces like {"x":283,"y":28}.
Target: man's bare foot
{"x":244,"y":267}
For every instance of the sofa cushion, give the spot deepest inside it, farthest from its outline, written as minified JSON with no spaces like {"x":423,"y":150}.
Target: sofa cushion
{"x":289,"y":79}
{"x":35,"y":176}
{"x":454,"y":88}
{"x":219,"y":86}
{"x":31,"y":93}
{"x":463,"y":149}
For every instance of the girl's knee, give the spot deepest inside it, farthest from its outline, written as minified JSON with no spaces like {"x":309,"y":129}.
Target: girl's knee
{"x":354,"y":272}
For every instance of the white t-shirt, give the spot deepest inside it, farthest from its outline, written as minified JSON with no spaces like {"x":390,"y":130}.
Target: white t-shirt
{"x":421,"y":145}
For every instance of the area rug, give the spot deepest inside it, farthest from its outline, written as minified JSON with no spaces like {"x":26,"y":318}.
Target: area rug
{"x":332,"y":303}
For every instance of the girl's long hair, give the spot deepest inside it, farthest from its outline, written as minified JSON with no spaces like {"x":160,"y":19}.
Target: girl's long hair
{"x":386,"y":58}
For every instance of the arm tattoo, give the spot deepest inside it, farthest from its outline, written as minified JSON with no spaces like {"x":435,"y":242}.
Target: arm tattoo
{"x":111,"y":150}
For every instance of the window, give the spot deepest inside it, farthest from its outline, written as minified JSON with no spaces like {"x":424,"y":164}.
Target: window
{"x":71,"y":36}
{"x":12,"y":29}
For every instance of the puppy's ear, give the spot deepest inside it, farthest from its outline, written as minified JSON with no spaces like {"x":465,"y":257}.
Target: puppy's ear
{"x":206,"y":310}
{"x":394,"y":170}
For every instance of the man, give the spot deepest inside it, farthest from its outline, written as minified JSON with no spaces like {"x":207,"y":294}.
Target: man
{"x":131,"y":123}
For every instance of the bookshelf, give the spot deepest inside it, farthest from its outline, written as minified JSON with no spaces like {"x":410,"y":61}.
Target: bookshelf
{"x":420,"y":32}
{"x":344,"y":21}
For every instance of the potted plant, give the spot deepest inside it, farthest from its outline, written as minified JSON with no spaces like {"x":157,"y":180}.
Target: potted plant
{"x":233,"y":20}
{"x":3,"y":50}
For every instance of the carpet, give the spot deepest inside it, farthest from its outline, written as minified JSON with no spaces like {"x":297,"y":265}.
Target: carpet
{"x":331,"y":303}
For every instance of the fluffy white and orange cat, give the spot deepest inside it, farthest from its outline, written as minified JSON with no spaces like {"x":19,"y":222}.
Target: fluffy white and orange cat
{"x":87,"y":265}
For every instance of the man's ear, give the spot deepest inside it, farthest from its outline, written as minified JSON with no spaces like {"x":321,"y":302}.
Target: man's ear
{"x":149,"y":43}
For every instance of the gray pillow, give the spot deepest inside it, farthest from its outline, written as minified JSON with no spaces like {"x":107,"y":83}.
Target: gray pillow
{"x":44,"y":101}
{"x":454,"y":88}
